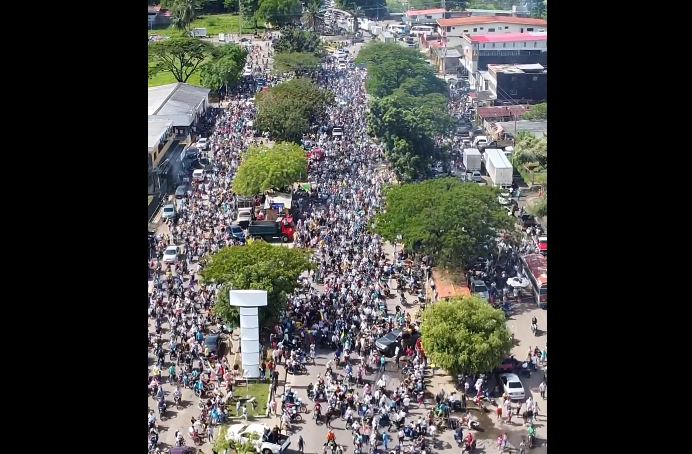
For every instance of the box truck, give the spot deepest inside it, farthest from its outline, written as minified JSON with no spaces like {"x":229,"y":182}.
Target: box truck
{"x":472,"y":159}
{"x":498,"y":167}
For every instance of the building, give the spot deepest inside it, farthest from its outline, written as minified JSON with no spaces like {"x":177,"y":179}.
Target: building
{"x":424,"y":16}
{"x":459,"y":26}
{"x":446,"y":60}
{"x":160,"y":132}
{"x":478,"y":51}
{"x":181,"y":103}
{"x":518,"y":11}
{"x":159,"y":17}
{"x":502,"y":113}
{"x":515,"y":83}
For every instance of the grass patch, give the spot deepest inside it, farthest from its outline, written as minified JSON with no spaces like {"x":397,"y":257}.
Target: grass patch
{"x":260,"y":391}
{"x":164,"y":78}
{"x":151,"y":197}
{"x":533,"y":178}
{"x":215,"y":24}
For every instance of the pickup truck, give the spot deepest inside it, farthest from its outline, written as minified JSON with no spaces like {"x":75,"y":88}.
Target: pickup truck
{"x":262,"y":438}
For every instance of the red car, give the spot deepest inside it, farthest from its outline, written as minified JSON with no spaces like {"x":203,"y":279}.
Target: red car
{"x":509,"y":365}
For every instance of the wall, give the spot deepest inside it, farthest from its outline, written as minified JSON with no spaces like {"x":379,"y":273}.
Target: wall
{"x":427,"y":19}
{"x":458,"y":30}
{"x":523,"y":58}
{"x":523,"y":86}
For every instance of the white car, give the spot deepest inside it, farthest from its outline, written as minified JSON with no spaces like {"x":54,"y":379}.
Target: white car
{"x":513,"y":386}
{"x":170,"y":255}
{"x":198,"y":175}
{"x":343,"y":66}
{"x":168,"y":211}
{"x":256,"y":434}
{"x":203,"y":143}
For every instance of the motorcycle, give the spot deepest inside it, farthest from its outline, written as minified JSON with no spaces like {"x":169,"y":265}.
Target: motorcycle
{"x":469,"y":447}
{"x":531,"y":441}
{"x":294,"y":416}
{"x":162,"y":410}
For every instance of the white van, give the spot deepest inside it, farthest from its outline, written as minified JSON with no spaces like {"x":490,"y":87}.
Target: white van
{"x":418,"y":30}
{"x":198,"y":175}
{"x":480,"y":140}
{"x":399,"y":29}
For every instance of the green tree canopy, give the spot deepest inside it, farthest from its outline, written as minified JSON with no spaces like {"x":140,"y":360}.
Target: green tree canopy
{"x":300,"y":63}
{"x":311,"y":14}
{"x":539,"y":207}
{"x":255,"y":266}
{"x":531,"y":149}
{"x":465,"y":335}
{"x":178,"y":55}
{"x":265,"y":168}
{"x":287,"y":110}
{"x":224,"y":68}
{"x":279,"y":12}
{"x":364,"y":8}
{"x":537,"y":112}
{"x":183,"y":12}
{"x":408,"y":125}
{"x":249,"y":8}
{"x":453,"y":222}
{"x":294,"y":39}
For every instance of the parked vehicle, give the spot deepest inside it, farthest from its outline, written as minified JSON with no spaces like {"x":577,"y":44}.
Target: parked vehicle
{"x":283,"y":228}
{"x":536,"y":268}
{"x":499,"y":169}
{"x":170,"y":255}
{"x":244,"y":217}
{"x":260,"y":436}
{"x":479,"y":140}
{"x":168,"y":211}
{"x":236,"y":232}
{"x":198,"y":175}
{"x":472,"y":159}
{"x":479,"y":288}
{"x":181,"y":191}
{"x":513,"y":386}
{"x":526,"y":220}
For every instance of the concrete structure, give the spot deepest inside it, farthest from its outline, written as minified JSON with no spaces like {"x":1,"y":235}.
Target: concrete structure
{"x":181,"y":103}
{"x":516,"y":83}
{"x":446,"y":60}
{"x":160,"y":134}
{"x":424,"y":16}
{"x":506,"y":48}
{"x":159,"y":17}
{"x":248,"y":301}
{"x":460,"y":26}
{"x":539,"y":128}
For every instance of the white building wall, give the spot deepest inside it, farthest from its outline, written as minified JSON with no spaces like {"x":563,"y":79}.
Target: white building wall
{"x":482,"y":29}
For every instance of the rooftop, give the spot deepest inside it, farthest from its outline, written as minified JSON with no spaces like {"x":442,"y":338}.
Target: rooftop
{"x":539,"y":128}
{"x":448,"y":53}
{"x":157,"y":127}
{"x":424,"y":12}
{"x":508,"y":37}
{"x":516,"y":69}
{"x":481,"y":20}
{"x":502,"y":111}
{"x":178,"y":102}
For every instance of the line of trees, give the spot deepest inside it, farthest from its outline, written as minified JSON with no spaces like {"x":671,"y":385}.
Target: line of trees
{"x":409,"y":109}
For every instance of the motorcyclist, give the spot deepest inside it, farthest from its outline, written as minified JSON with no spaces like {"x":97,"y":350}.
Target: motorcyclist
{"x":318,"y":410}
{"x":177,"y":394}
{"x":470,"y":442}
{"x":532,"y":434}
{"x":172,"y":372}
{"x":153,"y":438}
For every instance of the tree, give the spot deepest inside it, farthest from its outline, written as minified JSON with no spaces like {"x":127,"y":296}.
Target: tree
{"x":184,"y":12}
{"x":225,"y":68}
{"x":294,"y":39}
{"x":311,"y":16}
{"x":530,"y":149}
{"x":537,"y":112}
{"x":409,"y":125}
{"x":287,"y":110}
{"x":178,"y":55}
{"x":540,"y":207}
{"x":465,"y":335}
{"x":364,"y":8}
{"x":255,"y":266}
{"x":300,"y":63}
{"x":231,"y":5}
{"x":265,"y":168}
{"x":279,"y":12}
{"x":249,"y":9}
{"x":451,"y":221}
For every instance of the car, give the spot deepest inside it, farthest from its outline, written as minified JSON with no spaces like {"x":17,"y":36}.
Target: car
{"x":168,"y":211}
{"x":198,"y":175}
{"x":213,"y":343}
{"x":476,"y":176}
{"x":479,"y":288}
{"x":236,"y":232}
{"x":513,"y":386}
{"x":509,"y":365}
{"x":181,"y":191}
{"x":170,"y":255}
{"x":203,"y":143}
{"x":526,"y":220}
{"x":387,"y":343}
{"x":337,"y":132}
{"x":189,"y":153}
{"x":343,"y":66}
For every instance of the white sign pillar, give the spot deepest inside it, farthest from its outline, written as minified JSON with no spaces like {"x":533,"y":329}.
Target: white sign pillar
{"x":248,"y":301}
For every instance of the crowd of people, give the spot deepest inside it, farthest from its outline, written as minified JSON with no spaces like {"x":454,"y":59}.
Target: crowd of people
{"x":341,"y":305}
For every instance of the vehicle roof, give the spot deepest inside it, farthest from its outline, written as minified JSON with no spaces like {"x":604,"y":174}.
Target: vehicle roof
{"x":510,"y":377}
{"x":169,"y":248}
{"x":169,"y":206}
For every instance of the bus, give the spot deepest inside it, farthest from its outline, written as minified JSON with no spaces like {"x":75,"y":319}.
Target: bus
{"x":536,"y":268}
{"x":399,"y":29}
{"x":418,"y":30}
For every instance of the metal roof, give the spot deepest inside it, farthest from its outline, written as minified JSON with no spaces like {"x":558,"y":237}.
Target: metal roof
{"x":538,"y":128}
{"x":157,"y":127}
{"x":178,"y":102}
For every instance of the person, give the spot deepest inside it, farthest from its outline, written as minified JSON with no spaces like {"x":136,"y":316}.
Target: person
{"x":541,"y":389}
{"x":534,"y":323}
{"x":245,"y":412}
{"x":272,"y":406}
{"x":522,"y":447}
{"x":470,"y":442}
{"x":301,"y":444}
{"x":532,"y":435}
{"x":210,"y":434}
{"x":385,"y":440}
{"x":330,"y":436}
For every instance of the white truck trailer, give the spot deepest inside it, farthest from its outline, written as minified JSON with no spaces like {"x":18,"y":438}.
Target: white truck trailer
{"x":498,"y":167}
{"x":472,"y":159}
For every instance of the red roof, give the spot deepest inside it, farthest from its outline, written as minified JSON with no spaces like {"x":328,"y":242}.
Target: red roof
{"x":538,"y":266}
{"x":508,"y":37}
{"x":424,"y":12}
{"x":502,"y":111}
{"x":481,"y":20}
